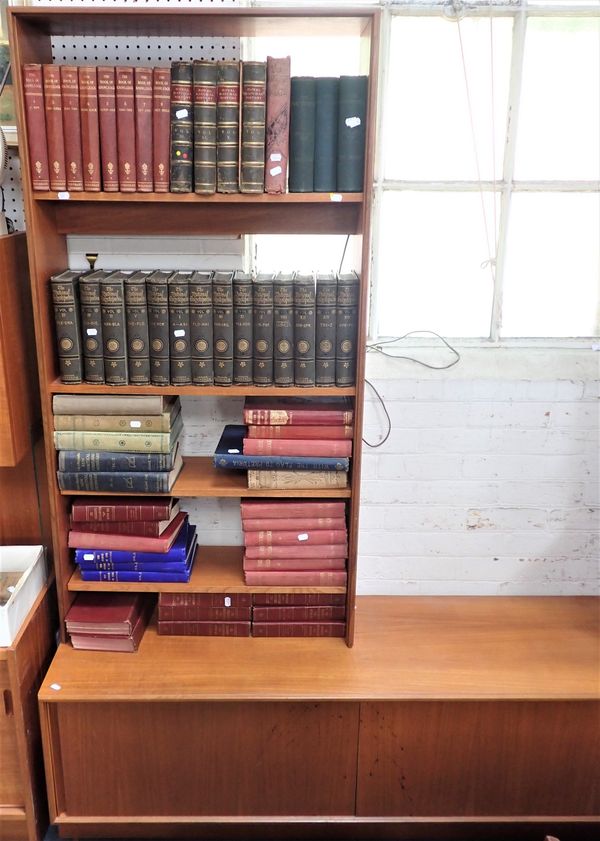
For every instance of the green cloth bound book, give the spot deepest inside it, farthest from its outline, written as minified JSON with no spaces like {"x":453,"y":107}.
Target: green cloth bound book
{"x":205,"y":126}
{"x":302,"y":134}
{"x":326,"y":130}
{"x":252,"y":168}
{"x":228,"y":126}
{"x":352,"y":117}
{"x":182,"y":127}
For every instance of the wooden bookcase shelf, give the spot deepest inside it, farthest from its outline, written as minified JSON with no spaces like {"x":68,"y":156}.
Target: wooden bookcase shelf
{"x":216,"y":198}
{"x":58,"y":387}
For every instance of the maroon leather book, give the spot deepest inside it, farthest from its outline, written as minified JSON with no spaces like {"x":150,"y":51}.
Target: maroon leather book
{"x":296,"y":447}
{"x":196,"y":613}
{"x":143,"y":128}
{"x":204,"y":629}
{"x":253,"y":509}
{"x":298,"y":629}
{"x":125,"y":96}
{"x":284,"y":411}
{"x":90,"y":129}
{"x":125,"y":509}
{"x":302,"y":564}
{"x":142,"y":528}
{"x":300,"y":538}
{"x":128,"y":543}
{"x":299,"y":613}
{"x":306,"y":433}
{"x":277,"y":124}
{"x":161,"y":128}
{"x":54,"y":127}
{"x":113,"y":642}
{"x":69,"y":89}
{"x":106,"y":613}
{"x":330,"y":551}
{"x":204,"y":599}
{"x":296,"y":525}
{"x":299,"y":599}
{"x":107,"y":115}
{"x":37,"y":143}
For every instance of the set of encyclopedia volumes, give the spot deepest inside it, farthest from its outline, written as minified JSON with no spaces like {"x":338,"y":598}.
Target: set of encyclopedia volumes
{"x":196,"y":126}
{"x":206,"y":327}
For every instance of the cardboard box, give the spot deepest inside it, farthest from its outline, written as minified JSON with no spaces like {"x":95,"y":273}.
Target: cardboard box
{"x":30,"y":562}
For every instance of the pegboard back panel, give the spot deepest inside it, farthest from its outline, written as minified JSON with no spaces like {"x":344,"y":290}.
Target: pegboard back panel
{"x":142,"y":51}
{"x":140,"y":3}
{"x":13,"y":194}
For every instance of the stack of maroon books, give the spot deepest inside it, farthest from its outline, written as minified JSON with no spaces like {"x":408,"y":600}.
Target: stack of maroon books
{"x":299,"y":615}
{"x":204,"y":614}
{"x":108,"y":621}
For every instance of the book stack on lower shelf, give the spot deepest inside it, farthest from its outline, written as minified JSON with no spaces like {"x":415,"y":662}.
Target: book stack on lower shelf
{"x":117,"y":443}
{"x":294,"y":543}
{"x":204,"y":614}
{"x":108,"y":621}
{"x":298,"y":615}
{"x":132,"y":540}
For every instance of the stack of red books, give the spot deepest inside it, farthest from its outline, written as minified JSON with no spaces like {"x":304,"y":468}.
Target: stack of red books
{"x":108,"y":621}
{"x":204,"y":614}
{"x":299,"y":615}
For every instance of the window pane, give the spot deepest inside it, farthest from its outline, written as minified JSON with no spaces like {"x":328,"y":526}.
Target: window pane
{"x":431,"y":250}
{"x":552,"y":265}
{"x":303,"y":252}
{"x":315,"y":56}
{"x":427,"y":131}
{"x":559,"y":116}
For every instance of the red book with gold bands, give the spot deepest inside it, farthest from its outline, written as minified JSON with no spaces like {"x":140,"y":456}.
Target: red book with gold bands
{"x":69,"y":87}
{"x":90,"y":129}
{"x":277,"y":124}
{"x":33,"y":93}
{"x":54,"y":127}
{"x":161,"y":127}
{"x":107,"y":114}
{"x":125,"y":98}
{"x":143,"y":128}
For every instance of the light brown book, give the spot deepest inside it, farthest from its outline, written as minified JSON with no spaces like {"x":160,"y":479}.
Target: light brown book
{"x":119,"y":423}
{"x":282,"y":479}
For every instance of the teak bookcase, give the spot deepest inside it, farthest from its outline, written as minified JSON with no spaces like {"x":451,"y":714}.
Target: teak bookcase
{"x":50,"y":218}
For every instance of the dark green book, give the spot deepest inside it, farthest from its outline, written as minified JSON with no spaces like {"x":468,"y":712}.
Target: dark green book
{"x":302,"y":134}
{"x":352,"y":118}
{"x":114,"y":332}
{"x":65,"y":301}
{"x":262,"y":305}
{"x":283,"y":329}
{"x":242,"y":328}
{"x":182,"y":127}
{"x":201,"y":327}
{"x":179,"y":328}
{"x":158,"y":326}
{"x":205,"y":126}
{"x":136,"y":316}
{"x":326,"y":303}
{"x":326,"y":130}
{"x":91,"y":326}
{"x":346,"y":332}
{"x":228,"y":126}
{"x":223,"y":327}
{"x":304,"y":330}
{"x":252,"y":166}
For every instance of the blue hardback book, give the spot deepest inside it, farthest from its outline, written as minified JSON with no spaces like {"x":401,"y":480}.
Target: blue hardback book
{"x":127,"y":481}
{"x":87,"y":461}
{"x":178,"y":552}
{"x":229,"y":455}
{"x":149,"y":575}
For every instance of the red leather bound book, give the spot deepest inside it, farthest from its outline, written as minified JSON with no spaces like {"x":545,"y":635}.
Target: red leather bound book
{"x":141,"y":528}
{"x":104,"y":613}
{"x":297,"y":412}
{"x":253,"y":509}
{"x":127,"y":509}
{"x":299,"y":599}
{"x":161,"y":128}
{"x":305,"y":433}
{"x":336,"y":550}
{"x":196,"y":613}
{"x":126,"y":542}
{"x":33,"y":94}
{"x":289,"y":564}
{"x":205,"y":599}
{"x":294,"y":525}
{"x":298,"y":629}
{"x":277,"y":124}
{"x":125,"y":97}
{"x":143,"y":129}
{"x":300,"y":613}
{"x":204,"y":629}
{"x":69,"y":89}
{"x":290,"y":447}
{"x":107,"y":113}
{"x":90,"y":130}
{"x":301,"y":538}
{"x":54,"y":127}
{"x":306,"y":578}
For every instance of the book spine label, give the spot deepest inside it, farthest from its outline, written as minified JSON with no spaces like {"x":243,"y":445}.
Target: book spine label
{"x":143,"y":129}
{"x":348,"y":293}
{"x":37,"y":142}
{"x":300,"y":538}
{"x":253,"y":509}
{"x":242,"y":330}
{"x":204,"y":629}
{"x":352,"y":117}
{"x":98,"y":461}
{"x":118,"y":556}
{"x":304,"y":463}
{"x":195,"y":613}
{"x":65,"y":300}
{"x":107,"y":118}
{"x":105,"y":566}
{"x":113,"y":423}
{"x":158,"y":329}
{"x":298,"y":629}
{"x":112,"y":307}
{"x":304,"y":433}
{"x":301,"y":599}
{"x":262,"y":298}
{"x":310,"y":578}
{"x":252,"y":166}
{"x":205,"y":126}
{"x":301,"y":552}
{"x":143,"y":529}
{"x":91,"y":329}
{"x":304,"y":330}
{"x":69,"y":88}
{"x":296,"y":447}
{"x":204,"y":600}
{"x":83,"y":511}
{"x":298,"y":479}
{"x":54,"y":127}
{"x":326,"y":128}
{"x":90,"y":129}
{"x":277,"y":124}
{"x":201,"y":330}
{"x":283,"y":331}
{"x":179,"y":328}
{"x":302,"y":134}
{"x":161,"y":127}
{"x":228,"y":126}
{"x":326,"y":302}
{"x":182,"y":127}
{"x":130,"y":576}
{"x":125,"y":97}
{"x":138,"y":343}
{"x":297,"y":417}
{"x":223,"y":330}
{"x":299,"y":613}
{"x":115,"y":482}
{"x":297,"y":526}
{"x":293,"y":564}
{"x":129,"y":442}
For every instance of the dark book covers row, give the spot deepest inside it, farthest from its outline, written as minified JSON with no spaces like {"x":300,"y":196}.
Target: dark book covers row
{"x":206,"y":327}
{"x":200,"y":126}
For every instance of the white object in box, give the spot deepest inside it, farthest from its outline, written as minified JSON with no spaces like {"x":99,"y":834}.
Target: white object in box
{"x":31,"y":562}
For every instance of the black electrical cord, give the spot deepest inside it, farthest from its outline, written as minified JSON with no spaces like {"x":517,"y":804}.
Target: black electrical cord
{"x":377,"y":347}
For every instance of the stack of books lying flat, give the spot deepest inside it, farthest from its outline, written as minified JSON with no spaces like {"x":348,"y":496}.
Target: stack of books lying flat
{"x":299,"y":615}
{"x":294,"y":543}
{"x":292,"y":442}
{"x":204,"y":614}
{"x":108,"y":621}
{"x":132,"y":539}
{"x":117,"y":443}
